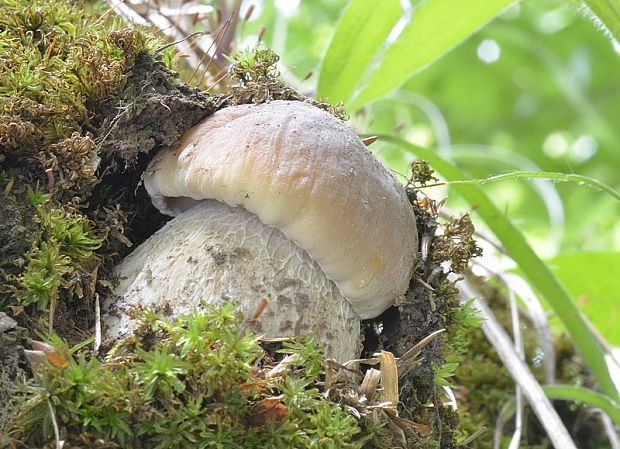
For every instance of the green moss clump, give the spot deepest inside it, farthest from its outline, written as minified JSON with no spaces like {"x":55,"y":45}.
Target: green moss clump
{"x":60,"y":68}
{"x":65,"y":246}
{"x":256,"y":80}
{"x":199,"y":382}
{"x":57,"y":62}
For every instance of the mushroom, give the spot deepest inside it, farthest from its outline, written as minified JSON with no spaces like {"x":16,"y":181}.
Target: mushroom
{"x":281,"y":202}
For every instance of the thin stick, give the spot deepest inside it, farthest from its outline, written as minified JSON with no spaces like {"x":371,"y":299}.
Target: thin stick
{"x":163,"y":47}
{"x":221,"y":39}
{"x":54,"y":424}
{"x":215,"y":39}
{"x":217,"y":81}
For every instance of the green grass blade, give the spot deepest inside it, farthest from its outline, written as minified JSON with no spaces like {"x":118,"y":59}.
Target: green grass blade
{"x":435,"y":28}
{"x":607,"y":14}
{"x":589,"y":397}
{"x":551,"y":176}
{"x":534,"y":269}
{"x":360,"y":34}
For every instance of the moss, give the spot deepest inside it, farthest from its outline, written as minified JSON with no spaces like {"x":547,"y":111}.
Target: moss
{"x":256,"y":79}
{"x":66,"y":246}
{"x":57,"y":62}
{"x":12,"y":342}
{"x":484,"y":385}
{"x":83,"y":106}
{"x":197,"y":382}
{"x":69,"y":80}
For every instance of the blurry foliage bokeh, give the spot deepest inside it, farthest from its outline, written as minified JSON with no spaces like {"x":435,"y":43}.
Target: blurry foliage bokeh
{"x":536,"y":89}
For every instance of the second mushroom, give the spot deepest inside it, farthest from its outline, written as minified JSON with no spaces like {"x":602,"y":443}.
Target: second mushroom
{"x":281,"y":202}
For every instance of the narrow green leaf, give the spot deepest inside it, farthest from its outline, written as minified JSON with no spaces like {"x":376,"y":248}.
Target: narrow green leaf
{"x":435,"y":28}
{"x":534,"y":269}
{"x":607,"y":14}
{"x":589,"y":397}
{"x":361,"y":32}
{"x":593,"y":279}
{"x":561,"y":177}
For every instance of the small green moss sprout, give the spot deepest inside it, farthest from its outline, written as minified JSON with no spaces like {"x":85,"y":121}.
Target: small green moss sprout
{"x":257,"y":80}
{"x":66,"y":244}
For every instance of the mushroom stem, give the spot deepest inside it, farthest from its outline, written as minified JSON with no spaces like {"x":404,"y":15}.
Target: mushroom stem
{"x":216,"y":253}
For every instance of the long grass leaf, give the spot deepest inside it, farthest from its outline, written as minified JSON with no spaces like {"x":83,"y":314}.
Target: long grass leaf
{"x":533,"y":267}
{"x":435,"y":28}
{"x":551,"y":176}
{"x":607,"y":14}
{"x":360,"y":34}
{"x":589,"y":397}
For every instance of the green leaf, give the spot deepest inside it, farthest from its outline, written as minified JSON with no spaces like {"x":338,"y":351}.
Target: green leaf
{"x":592,"y":278}
{"x":589,"y":397}
{"x":607,"y":14}
{"x":435,"y":28}
{"x":360,"y":34}
{"x":535,"y":270}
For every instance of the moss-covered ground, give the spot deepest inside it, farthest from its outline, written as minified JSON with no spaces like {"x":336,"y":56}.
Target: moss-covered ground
{"x":84,"y":103}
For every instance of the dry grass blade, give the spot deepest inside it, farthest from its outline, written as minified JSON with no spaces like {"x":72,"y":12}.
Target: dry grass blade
{"x":219,"y":38}
{"x":370,"y":383}
{"x":389,"y":378}
{"x":281,"y":367}
{"x":59,"y":444}
{"x":408,"y":361}
{"x":519,"y":371}
{"x":97,"y":343}
{"x":410,"y":426}
{"x":125,"y":12}
{"x":369,"y":140}
{"x":610,"y":430}
{"x":519,"y":286}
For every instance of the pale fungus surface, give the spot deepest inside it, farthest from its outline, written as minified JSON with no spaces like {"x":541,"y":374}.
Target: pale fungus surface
{"x":278,"y":201}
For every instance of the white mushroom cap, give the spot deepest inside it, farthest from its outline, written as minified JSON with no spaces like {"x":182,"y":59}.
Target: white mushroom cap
{"x":301,"y":170}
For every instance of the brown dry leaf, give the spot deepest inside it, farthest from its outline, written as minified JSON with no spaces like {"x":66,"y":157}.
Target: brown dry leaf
{"x":16,"y":309}
{"x":253,"y":385}
{"x":268,"y":409}
{"x":58,"y":358}
{"x":409,"y":426}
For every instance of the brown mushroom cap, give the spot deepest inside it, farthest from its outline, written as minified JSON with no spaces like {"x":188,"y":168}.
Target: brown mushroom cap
{"x":301,"y":170}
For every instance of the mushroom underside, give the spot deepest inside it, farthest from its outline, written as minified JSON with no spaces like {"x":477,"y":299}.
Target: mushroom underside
{"x":215,"y":253}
